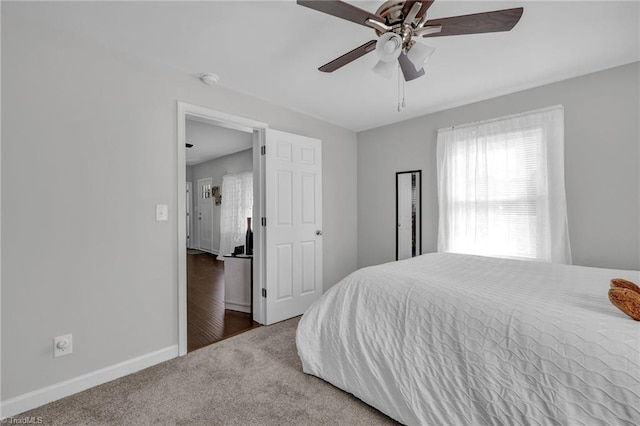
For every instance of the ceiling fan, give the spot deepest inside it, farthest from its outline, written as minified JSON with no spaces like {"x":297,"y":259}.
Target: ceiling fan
{"x":397,"y":22}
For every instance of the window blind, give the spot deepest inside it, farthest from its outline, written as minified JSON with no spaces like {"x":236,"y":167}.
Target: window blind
{"x":501,"y":188}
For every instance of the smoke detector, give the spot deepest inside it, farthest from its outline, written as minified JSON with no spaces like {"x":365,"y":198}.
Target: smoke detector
{"x":209,"y":78}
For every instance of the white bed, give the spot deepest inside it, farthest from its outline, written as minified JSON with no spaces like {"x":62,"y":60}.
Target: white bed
{"x":468,"y":340}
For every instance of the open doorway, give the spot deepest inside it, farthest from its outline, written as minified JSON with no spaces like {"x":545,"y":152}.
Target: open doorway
{"x":227,"y":121}
{"x":287,"y":200}
{"x":219,"y":212}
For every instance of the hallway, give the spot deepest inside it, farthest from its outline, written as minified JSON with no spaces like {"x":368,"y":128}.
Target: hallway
{"x":207,"y":319}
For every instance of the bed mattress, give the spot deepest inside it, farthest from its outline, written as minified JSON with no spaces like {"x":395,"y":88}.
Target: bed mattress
{"x":446,"y":339}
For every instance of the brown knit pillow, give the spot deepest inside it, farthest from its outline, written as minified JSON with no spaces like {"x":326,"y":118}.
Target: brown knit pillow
{"x":622,"y":283}
{"x":628,"y":301}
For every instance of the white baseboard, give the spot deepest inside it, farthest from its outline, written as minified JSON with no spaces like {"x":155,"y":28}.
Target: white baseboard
{"x":240,"y":307}
{"x":216,"y":252}
{"x":34,"y":399}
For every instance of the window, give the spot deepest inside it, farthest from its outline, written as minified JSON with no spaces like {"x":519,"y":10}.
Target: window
{"x":237,"y":206}
{"x":501,"y":188}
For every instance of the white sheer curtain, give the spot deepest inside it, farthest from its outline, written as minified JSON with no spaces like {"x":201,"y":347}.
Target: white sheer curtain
{"x":237,"y":206}
{"x":501,"y":188}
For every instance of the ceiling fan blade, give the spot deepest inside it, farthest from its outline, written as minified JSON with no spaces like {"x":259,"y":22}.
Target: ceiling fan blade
{"x":349,"y":57}
{"x":342,"y":10}
{"x":485,"y":22}
{"x":408,"y":69}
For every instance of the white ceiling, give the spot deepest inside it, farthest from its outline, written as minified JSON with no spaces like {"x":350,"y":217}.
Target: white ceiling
{"x":272,"y":49}
{"x":211,"y":141}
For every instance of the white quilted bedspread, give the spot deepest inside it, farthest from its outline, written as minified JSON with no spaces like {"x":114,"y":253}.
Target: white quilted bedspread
{"x":445,"y":339}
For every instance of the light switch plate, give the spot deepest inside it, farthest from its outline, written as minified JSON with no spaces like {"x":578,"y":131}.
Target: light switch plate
{"x":162,"y":212}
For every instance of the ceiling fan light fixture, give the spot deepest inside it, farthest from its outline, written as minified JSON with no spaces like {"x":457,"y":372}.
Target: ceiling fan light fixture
{"x":398,"y":21}
{"x":384,"y":69}
{"x":389,"y":47}
{"x":419,"y":54}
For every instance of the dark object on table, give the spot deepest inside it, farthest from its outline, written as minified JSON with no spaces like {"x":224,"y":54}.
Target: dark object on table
{"x":238,"y":250}
{"x":249,"y":238}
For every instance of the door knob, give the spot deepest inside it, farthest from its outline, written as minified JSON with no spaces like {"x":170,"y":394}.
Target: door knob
{"x":318,"y":232}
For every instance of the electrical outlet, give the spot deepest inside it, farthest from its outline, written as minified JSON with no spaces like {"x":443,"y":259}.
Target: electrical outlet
{"x":62,"y":345}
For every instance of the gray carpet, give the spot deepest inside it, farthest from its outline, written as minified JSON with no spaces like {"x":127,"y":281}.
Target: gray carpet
{"x":252,"y":379}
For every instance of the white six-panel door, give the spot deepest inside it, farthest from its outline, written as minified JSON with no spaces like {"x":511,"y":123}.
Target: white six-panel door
{"x":293,"y":175}
{"x":205,"y":215}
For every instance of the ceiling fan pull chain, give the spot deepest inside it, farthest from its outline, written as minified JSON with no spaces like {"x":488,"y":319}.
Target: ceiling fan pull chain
{"x":404,"y":103}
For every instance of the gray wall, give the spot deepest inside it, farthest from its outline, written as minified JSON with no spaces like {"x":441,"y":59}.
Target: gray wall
{"x":601,"y":167}
{"x":216,"y":169}
{"x":88,"y":150}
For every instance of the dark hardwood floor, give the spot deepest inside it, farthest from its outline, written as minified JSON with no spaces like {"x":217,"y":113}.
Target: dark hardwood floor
{"x":207,"y":320}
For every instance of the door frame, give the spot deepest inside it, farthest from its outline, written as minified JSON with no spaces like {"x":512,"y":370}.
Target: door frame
{"x":189,"y":210}
{"x":259,"y":268}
